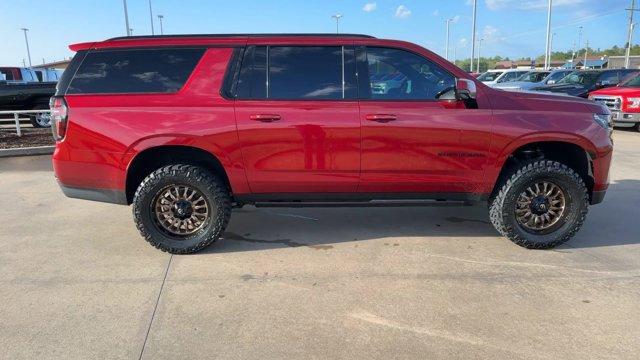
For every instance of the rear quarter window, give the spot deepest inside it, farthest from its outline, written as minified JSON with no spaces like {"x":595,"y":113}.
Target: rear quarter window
{"x":134,"y":71}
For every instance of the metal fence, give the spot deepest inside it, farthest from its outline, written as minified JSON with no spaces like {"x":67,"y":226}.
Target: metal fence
{"x":16,"y":116}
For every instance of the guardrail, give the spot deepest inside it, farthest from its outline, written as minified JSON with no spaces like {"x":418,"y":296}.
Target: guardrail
{"x":16,"y":116}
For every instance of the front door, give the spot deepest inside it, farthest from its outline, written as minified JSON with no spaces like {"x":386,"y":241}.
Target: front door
{"x":416,"y":137}
{"x":297,"y":118}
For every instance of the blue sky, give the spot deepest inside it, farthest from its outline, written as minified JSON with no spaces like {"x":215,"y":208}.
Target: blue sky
{"x":513,"y":28}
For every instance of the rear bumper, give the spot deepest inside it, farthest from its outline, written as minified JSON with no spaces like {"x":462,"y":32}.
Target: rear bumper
{"x":102,"y":195}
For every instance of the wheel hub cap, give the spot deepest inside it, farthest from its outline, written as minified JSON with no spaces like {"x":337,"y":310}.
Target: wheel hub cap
{"x":540,"y":206}
{"x":180,"y":210}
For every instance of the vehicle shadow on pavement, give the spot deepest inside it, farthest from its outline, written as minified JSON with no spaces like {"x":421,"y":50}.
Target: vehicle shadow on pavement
{"x":318,"y":228}
{"x":611,"y":223}
{"x":614,"y":222}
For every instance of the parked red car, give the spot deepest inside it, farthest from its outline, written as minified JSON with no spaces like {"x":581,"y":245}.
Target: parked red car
{"x":623,"y":101}
{"x":187,"y":127}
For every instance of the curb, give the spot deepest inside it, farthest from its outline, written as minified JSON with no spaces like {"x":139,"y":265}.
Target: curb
{"x":28,"y":151}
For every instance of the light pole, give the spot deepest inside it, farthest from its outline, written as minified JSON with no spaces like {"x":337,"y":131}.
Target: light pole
{"x":473,"y":35}
{"x":446,"y":50}
{"x":160,"y":17}
{"x":553,"y":35}
{"x":26,"y":41}
{"x":126,"y":17}
{"x":151,"y":18}
{"x":547,"y":54}
{"x":337,"y":17}
{"x":630,"y":34}
{"x":479,"y":47}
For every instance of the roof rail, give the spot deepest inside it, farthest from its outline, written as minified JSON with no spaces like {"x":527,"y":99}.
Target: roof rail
{"x":239,"y":35}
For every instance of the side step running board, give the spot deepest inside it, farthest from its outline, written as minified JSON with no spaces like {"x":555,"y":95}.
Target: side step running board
{"x":372,"y":203}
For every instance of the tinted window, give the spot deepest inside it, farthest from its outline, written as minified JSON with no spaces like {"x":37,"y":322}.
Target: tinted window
{"x":134,"y":71}
{"x":252,"y":81}
{"x":297,"y":72}
{"x":7,"y":73}
{"x":489,"y":76}
{"x":557,"y":76}
{"x":608,"y":78}
{"x":305,"y":72}
{"x":401,"y":75}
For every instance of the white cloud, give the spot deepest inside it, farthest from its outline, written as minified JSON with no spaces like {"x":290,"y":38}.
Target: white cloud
{"x":543,"y":4}
{"x":435,"y":12}
{"x":402,"y":12}
{"x":491,"y":34}
{"x":369,"y":7}
{"x":528,"y":4}
{"x":496,"y":4}
{"x":456,"y":19}
{"x":463,"y":43}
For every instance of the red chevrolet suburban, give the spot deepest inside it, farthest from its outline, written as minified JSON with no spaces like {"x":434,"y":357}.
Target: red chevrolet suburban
{"x":623,"y":101}
{"x":188,"y":127}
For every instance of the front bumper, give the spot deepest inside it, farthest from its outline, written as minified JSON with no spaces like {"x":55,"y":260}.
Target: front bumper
{"x":623,"y":119}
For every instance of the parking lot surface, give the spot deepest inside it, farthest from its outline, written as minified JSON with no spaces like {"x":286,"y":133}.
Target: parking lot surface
{"x":78,"y":281}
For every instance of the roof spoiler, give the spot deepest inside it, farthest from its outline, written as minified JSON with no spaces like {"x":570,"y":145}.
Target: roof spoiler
{"x":81,"y":46}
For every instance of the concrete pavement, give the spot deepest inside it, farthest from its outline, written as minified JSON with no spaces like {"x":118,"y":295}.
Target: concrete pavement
{"x":79,"y":282}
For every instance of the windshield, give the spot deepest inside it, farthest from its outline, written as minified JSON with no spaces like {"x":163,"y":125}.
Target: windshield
{"x":490,"y":76}
{"x":580,"y":78}
{"x":532,"y":76}
{"x":634,"y":82}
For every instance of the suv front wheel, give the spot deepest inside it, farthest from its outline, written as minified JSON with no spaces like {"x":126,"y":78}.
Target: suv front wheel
{"x":541,"y":205}
{"x":181,"y":209}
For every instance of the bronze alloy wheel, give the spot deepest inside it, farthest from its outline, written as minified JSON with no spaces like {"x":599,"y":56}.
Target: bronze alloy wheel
{"x":540,"y":206}
{"x":180,"y":210}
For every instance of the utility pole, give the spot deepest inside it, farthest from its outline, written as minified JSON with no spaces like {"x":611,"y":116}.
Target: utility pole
{"x":26,"y":40}
{"x":630,"y":34}
{"x":446,"y":48}
{"x":586,"y":50}
{"x":579,"y":41}
{"x":151,"y":18}
{"x":547,"y":54}
{"x":126,"y":18}
{"x":473,"y":35}
{"x":479,"y":47}
{"x":337,"y":17}
{"x":160,"y":17}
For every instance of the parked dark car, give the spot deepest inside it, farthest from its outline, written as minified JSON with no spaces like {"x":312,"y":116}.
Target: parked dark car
{"x":580,"y":83}
{"x":28,"y":96}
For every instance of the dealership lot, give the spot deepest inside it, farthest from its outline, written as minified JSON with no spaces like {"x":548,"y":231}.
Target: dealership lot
{"x":79,"y":282}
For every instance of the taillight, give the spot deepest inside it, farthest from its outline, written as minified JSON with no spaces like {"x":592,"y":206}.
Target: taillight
{"x":59,"y":114}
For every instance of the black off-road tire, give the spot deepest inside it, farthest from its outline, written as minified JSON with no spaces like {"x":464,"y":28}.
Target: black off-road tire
{"x":215,"y":192}
{"x":502,"y":206}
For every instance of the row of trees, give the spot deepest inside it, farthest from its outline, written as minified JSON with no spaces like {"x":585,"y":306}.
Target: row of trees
{"x":490,"y":62}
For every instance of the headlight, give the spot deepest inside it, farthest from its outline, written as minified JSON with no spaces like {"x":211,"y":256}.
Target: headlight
{"x":603,"y":120}
{"x":634,"y":103}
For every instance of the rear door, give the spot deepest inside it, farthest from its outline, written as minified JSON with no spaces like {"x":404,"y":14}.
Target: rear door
{"x":416,"y":137}
{"x":297,"y":116}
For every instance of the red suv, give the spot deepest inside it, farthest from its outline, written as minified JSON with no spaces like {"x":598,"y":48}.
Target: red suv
{"x":188,"y":127}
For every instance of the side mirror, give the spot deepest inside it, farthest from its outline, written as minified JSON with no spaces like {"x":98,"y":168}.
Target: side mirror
{"x":466,"y":89}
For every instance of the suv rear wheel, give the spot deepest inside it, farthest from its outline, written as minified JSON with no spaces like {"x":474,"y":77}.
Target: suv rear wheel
{"x":541,"y":205}
{"x":181,"y":209}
